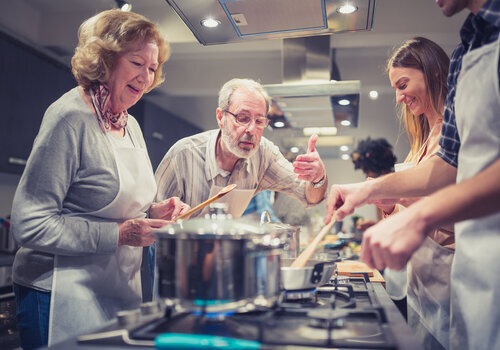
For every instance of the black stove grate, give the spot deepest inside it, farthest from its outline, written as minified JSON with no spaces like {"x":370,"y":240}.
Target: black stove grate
{"x":343,"y":314}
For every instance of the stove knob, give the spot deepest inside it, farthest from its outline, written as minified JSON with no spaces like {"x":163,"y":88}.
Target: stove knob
{"x":150,"y":308}
{"x":128,"y":317}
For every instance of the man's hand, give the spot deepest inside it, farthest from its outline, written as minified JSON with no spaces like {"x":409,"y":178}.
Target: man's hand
{"x":392,"y":241}
{"x":168,"y":209}
{"x":309,"y":166}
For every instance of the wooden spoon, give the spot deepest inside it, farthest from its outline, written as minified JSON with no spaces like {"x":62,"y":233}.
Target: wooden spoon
{"x":304,"y":257}
{"x":221,"y":193}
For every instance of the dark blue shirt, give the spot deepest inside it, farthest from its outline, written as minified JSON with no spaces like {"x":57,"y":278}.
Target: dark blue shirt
{"x":478,"y":30}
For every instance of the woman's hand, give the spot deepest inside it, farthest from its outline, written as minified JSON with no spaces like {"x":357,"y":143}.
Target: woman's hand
{"x":137,"y":232}
{"x":168,"y":209}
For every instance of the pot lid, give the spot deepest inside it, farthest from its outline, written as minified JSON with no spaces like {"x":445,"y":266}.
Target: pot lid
{"x":214,"y":226}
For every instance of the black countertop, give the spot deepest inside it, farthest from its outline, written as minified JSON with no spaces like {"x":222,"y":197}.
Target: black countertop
{"x":404,"y":338}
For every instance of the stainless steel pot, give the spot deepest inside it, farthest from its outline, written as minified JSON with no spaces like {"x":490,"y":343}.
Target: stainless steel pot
{"x":288,"y":234}
{"x":218,"y":264}
{"x":315,"y":273}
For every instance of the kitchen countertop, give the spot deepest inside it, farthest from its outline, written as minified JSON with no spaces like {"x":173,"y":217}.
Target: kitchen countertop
{"x":404,"y":338}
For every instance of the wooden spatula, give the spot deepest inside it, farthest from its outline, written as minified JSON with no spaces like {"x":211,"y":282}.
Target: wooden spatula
{"x":304,"y":257}
{"x":221,"y":193}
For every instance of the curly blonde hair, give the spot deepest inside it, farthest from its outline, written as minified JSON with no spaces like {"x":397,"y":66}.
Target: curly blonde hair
{"x":105,"y":36}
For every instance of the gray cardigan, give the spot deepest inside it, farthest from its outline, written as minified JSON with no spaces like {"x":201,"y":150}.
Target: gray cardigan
{"x":71,"y":171}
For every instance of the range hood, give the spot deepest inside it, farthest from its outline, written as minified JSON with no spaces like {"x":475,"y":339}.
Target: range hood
{"x":241,"y":20}
{"x":311,"y":93}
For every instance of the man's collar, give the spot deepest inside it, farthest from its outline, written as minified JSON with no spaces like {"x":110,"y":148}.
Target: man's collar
{"x":211,"y":167}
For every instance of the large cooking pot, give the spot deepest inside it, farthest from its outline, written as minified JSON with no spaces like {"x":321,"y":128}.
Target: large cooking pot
{"x":218,"y":264}
{"x":315,"y":273}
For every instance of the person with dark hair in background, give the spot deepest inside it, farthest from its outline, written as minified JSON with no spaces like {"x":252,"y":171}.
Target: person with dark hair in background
{"x":461,"y":183}
{"x":374,"y":157}
{"x":79,"y":212}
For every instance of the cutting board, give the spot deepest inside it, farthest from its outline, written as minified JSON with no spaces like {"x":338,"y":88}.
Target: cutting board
{"x":351,"y":267}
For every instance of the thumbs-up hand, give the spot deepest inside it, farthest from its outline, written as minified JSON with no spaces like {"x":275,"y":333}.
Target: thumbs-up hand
{"x":309,"y":166}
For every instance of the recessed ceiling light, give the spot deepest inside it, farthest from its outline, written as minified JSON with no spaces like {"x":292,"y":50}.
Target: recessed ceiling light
{"x":344,"y":102}
{"x":323,"y":131}
{"x":373,"y":94}
{"x":210,"y":23}
{"x":345,"y":156}
{"x":294,"y":150}
{"x":123,"y":5}
{"x":344,"y":148}
{"x":345,"y":123}
{"x":279,"y":124}
{"x":347,"y":9}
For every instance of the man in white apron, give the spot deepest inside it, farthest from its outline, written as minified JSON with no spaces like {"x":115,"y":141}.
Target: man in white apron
{"x":470,"y":155}
{"x":198,"y":166}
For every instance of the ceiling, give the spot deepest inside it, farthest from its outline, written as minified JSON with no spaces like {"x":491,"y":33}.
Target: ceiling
{"x":195,"y":72}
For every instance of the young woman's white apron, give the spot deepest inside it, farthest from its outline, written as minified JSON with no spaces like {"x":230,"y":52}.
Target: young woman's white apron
{"x":396,"y":281}
{"x":429,"y":294}
{"x":475,"y":290}
{"x":89,"y":290}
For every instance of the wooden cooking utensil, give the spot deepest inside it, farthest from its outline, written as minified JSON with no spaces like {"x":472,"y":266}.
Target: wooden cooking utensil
{"x":302,"y":259}
{"x":221,"y":193}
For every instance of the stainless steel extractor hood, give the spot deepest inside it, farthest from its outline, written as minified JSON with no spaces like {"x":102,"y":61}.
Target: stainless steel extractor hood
{"x":311,"y":93}
{"x":241,"y":20}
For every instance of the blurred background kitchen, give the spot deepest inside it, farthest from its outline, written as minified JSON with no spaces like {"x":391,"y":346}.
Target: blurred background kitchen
{"x":37,"y":38}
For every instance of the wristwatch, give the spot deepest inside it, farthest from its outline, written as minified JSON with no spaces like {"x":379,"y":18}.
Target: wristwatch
{"x":320,"y":183}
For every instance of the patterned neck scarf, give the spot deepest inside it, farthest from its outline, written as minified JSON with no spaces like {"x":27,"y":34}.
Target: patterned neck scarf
{"x":100,"y":100}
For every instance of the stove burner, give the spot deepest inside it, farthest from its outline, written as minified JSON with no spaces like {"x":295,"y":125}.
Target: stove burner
{"x":344,"y":314}
{"x":300,"y":294}
{"x":213,"y":315}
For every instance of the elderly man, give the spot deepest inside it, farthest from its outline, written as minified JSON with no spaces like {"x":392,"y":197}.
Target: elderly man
{"x":199,"y":166}
{"x":465,"y":175}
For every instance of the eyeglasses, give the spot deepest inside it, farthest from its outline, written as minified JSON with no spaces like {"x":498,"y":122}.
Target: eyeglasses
{"x":245,"y":119}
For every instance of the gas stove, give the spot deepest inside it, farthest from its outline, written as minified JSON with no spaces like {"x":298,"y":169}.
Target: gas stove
{"x":343,"y":314}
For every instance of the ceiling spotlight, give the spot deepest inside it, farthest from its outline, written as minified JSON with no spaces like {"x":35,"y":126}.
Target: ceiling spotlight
{"x":373,"y":94}
{"x":347,"y":9}
{"x":323,"y":131}
{"x":279,"y":124}
{"x":123,"y":5}
{"x":344,"y":148}
{"x":345,"y":156}
{"x":344,"y":102}
{"x":294,"y":149}
{"x":345,"y":123}
{"x":210,"y":23}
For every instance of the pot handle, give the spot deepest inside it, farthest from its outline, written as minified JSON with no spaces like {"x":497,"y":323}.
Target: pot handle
{"x":265,"y":214}
{"x":317,"y":273}
{"x":197,"y":341}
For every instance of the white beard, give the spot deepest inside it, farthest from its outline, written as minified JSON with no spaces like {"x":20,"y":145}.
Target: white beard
{"x":232,"y":146}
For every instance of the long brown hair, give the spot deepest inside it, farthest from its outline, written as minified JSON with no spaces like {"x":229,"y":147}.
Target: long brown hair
{"x":429,"y":58}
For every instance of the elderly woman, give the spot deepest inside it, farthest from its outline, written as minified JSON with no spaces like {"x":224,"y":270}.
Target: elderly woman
{"x":79,"y":213}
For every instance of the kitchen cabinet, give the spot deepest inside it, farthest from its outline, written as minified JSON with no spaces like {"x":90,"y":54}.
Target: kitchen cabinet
{"x":31,"y":81}
{"x":161,"y":130}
